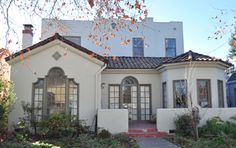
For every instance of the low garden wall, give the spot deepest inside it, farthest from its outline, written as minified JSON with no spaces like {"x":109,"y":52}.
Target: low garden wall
{"x":166,"y":117}
{"x":113,"y":120}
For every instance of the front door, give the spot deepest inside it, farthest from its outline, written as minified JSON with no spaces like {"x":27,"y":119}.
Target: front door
{"x":130,"y":101}
{"x":136,"y":98}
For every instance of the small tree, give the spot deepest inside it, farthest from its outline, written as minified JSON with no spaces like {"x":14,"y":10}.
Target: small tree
{"x":232,"y":43}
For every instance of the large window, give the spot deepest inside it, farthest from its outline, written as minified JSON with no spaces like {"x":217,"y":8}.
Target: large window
{"x":138,"y":47}
{"x":170,"y":45}
{"x":114,"y":96}
{"x":180,"y":93}
{"x":55,"y":94}
{"x":204,"y":92}
{"x":220,"y":93}
{"x":164,"y":95}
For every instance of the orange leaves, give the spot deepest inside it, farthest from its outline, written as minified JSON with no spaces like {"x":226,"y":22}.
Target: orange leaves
{"x":133,"y":21}
{"x":130,"y":30}
{"x":114,"y":58}
{"x":22,"y":57}
{"x":125,"y":17}
{"x":125,"y":42}
{"x":91,"y":55}
{"x":137,"y":5}
{"x":91,"y":3}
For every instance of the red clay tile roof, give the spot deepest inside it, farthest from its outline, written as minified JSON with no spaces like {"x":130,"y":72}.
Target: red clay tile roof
{"x":155,"y":62}
{"x":135,"y":62}
{"x":193,"y":56}
{"x":61,"y":38}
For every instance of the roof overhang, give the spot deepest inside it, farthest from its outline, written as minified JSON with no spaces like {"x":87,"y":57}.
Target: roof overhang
{"x":194,"y":64}
{"x":54,"y":41}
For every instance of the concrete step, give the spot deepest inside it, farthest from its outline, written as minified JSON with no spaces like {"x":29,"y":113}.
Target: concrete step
{"x":137,"y":130}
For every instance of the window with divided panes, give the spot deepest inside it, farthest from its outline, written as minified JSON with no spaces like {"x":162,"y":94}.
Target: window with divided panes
{"x":55,"y":94}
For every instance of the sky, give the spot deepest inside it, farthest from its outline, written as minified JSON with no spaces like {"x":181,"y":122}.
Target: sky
{"x":196,"y":16}
{"x":198,"y":24}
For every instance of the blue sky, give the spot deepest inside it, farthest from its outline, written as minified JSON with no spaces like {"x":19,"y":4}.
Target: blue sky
{"x":198,"y":24}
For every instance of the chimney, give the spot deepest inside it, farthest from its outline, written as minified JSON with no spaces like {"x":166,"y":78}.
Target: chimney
{"x":27,"y":36}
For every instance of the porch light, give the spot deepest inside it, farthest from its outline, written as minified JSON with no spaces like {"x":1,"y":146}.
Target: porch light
{"x":103,"y":85}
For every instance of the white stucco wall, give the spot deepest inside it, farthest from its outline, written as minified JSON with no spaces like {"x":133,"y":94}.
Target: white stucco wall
{"x":154,"y":33}
{"x":113,"y":120}
{"x":166,"y":117}
{"x":75,"y":66}
{"x":191,"y":73}
{"x":143,"y":77}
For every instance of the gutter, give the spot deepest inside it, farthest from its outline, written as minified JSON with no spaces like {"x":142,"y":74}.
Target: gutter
{"x":97,"y":87}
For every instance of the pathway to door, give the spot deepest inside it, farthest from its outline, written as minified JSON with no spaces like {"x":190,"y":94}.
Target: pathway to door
{"x":155,"y":143}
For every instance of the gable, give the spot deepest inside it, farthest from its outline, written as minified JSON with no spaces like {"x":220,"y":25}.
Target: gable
{"x":52,"y":41}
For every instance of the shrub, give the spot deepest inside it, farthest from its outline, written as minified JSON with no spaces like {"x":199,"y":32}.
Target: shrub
{"x":126,"y":141}
{"x":213,"y":126}
{"x":56,"y":125}
{"x":104,"y":134}
{"x":217,"y":127}
{"x":183,"y":125}
{"x":59,"y":125}
{"x":6,"y":101}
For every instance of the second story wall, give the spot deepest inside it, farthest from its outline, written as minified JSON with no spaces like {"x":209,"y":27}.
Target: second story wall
{"x":154,"y":36}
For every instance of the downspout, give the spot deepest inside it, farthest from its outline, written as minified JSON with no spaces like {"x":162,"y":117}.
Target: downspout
{"x":97,"y":86}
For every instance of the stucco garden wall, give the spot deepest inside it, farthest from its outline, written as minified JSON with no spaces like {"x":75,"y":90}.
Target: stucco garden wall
{"x":142,"y":77}
{"x":113,"y":120}
{"x":166,"y":117}
{"x":24,"y":73}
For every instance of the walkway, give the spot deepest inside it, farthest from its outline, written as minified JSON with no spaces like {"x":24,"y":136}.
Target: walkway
{"x":154,"y":143}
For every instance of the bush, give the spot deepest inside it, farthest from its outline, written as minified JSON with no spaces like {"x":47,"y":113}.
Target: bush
{"x":217,"y":127}
{"x":104,"y":134}
{"x":183,"y":125}
{"x":6,"y":101}
{"x":59,"y":125}
{"x":126,"y":141}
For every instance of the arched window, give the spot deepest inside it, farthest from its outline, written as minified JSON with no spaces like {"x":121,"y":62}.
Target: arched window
{"x":56,"y":91}
{"x":55,"y":94}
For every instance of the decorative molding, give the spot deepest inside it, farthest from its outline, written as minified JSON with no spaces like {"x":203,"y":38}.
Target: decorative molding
{"x":56,"y":55}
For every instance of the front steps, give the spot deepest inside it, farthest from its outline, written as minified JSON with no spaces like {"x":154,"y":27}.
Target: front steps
{"x":147,"y":132}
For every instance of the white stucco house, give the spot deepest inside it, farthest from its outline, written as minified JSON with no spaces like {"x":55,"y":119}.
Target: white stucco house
{"x":58,"y":75}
